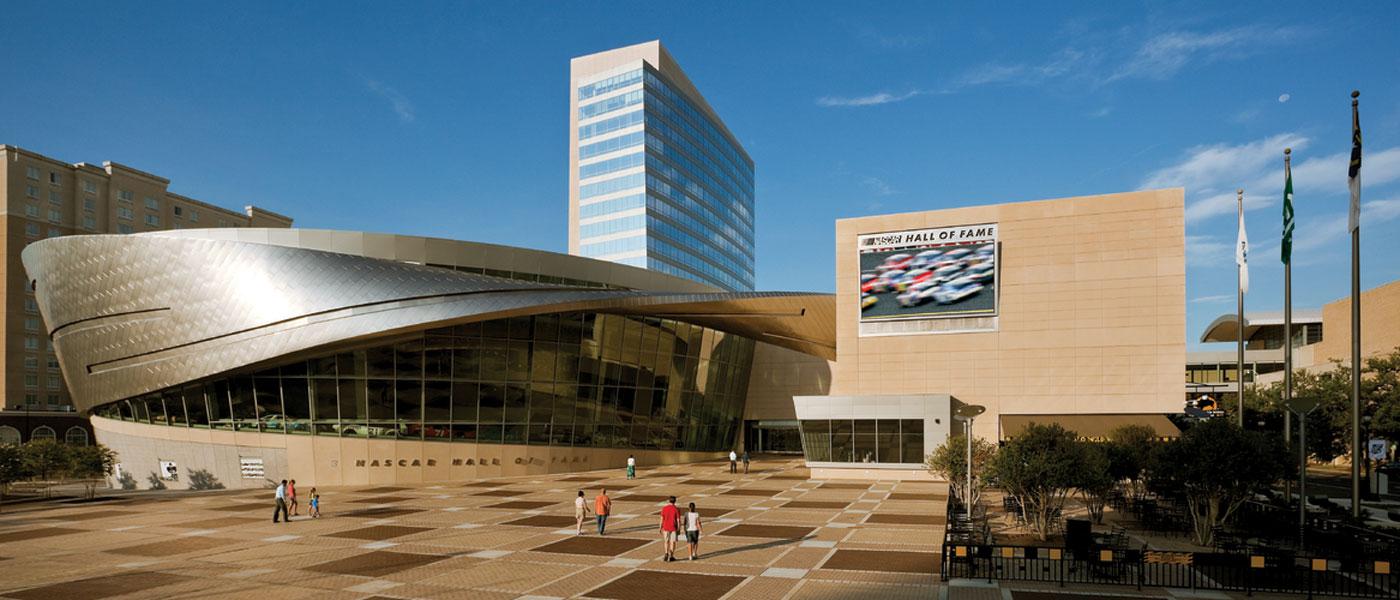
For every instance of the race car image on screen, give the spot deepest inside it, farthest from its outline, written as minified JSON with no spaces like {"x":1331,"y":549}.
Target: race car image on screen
{"x":917,"y":275}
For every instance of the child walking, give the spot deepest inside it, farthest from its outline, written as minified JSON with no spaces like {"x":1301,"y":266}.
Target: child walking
{"x":315,"y":504}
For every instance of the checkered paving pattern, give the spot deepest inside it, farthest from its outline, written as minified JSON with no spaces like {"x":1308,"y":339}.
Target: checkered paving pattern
{"x":773,"y":534}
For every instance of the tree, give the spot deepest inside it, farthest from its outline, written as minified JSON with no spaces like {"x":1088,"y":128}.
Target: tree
{"x":1127,"y":449}
{"x":12,"y":467}
{"x":93,"y":464}
{"x":1038,"y":468}
{"x":1381,"y":391}
{"x":1216,"y":466}
{"x":45,"y":458}
{"x":1096,"y":480}
{"x":949,"y":461}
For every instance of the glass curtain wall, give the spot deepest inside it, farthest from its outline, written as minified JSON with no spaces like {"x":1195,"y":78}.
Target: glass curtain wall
{"x":576,"y":379}
{"x":864,"y":440}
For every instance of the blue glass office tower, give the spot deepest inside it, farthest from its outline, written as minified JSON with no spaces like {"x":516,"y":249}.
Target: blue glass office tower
{"x":656,"y":180}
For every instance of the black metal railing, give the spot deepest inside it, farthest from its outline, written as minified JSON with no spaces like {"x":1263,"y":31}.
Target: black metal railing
{"x":1277,"y":573}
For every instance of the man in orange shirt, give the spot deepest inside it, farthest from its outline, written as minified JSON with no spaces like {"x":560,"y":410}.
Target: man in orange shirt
{"x":602,"y":507}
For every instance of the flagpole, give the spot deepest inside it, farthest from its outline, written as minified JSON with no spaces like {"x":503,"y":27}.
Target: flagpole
{"x":1288,"y":304}
{"x":1356,"y":331}
{"x":1239,"y":306}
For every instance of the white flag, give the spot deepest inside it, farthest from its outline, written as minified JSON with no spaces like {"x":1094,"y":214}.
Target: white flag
{"x":1242,"y":256}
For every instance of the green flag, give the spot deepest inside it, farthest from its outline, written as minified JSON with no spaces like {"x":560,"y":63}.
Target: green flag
{"x":1286,"y":247}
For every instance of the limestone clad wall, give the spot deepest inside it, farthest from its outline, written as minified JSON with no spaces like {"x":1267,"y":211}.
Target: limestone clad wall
{"x":333,"y":461}
{"x":1092,"y":312}
{"x":1380,"y":326}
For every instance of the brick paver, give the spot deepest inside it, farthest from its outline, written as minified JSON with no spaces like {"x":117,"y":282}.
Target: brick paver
{"x":772,"y":533}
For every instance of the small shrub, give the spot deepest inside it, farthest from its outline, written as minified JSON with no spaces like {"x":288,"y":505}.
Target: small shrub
{"x":126,"y":481}
{"x":155,"y":482}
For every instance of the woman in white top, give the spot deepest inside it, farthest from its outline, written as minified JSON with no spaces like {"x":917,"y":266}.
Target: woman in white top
{"x":692,"y":531}
{"x":580,"y":511}
{"x":631,"y":467}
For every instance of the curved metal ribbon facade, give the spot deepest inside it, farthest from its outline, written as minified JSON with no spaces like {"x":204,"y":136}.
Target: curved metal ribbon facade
{"x":134,"y":314}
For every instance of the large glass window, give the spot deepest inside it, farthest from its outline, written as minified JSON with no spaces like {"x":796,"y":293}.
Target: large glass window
{"x":864,"y":440}
{"x":574,"y":379}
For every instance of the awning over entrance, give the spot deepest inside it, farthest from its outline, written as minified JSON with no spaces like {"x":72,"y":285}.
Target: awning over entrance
{"x":1090,"y":426}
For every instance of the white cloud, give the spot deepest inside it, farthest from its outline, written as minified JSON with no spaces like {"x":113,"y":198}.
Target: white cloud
{"x":879,"y":186}
{"x":1165,"y":54}
{"x":871,"y":100}
{"x":400,"y":103}
{"x":1212,"y":173}
{"x":1205,"y":251}
{"x":1213,"y":299}
{"x":1102,"y":112}
{"x":1284,"y":98}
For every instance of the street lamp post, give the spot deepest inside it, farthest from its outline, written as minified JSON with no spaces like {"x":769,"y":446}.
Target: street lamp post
{"x":967,"y":413}
{"x":1302,"y":406}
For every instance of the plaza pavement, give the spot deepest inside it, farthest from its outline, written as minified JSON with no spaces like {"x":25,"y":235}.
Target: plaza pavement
{"x":771,"y":534}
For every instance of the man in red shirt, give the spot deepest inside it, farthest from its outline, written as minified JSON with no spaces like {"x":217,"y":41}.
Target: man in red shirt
{"x":670,"y":520}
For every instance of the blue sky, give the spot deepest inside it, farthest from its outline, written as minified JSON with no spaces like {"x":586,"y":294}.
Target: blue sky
{"x":450,"y":119}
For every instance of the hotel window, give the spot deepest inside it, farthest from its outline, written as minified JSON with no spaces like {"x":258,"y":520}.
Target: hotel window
{"x":152,"y":203}
{"x":179,"y":211}
{"x":123,"y":213}
{"x":55,"y":382}
{"x":89,"y":222}
{"x":30,"y":305}
{"x":53,"y":363}
{"x":31,"y":229}
{"x":56,"y":196}
{"x":194,"y":216}
{"x":89,"y":187}
{"x":31,"y":172}
{"x":123,"y":228}
{"x":31,"y":362}
{"x":31,"y":191}
{"x":31,"y":323}
{"x":223,"y":223}
{"x":55,"y":216}
{"x":55,"y":232}
{"x":31,"y":380}
{"x":153,"y":220}
{"x":125,"y":195}
{"x":89,"y":204}
{"x":31,"y":211}
{"x":54,"y":178}
{"x":49,"y":344}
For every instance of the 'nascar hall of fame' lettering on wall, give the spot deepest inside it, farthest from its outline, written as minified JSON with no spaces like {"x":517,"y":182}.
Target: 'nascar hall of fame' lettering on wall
{"x":928,"y":273}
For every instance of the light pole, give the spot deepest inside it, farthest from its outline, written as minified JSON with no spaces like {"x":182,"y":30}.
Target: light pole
{"x":967,"y":413}
{"x":1303,"y":406}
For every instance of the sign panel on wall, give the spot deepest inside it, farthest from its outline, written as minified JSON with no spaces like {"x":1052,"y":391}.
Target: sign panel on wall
{"x":168,"y":470}
{"x":928,"y":273}
{"x":252,"y":467}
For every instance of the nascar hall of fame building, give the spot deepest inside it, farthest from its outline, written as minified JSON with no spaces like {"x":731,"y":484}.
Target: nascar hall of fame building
{"x":339,"y":358}
{"x":1067,"y":311}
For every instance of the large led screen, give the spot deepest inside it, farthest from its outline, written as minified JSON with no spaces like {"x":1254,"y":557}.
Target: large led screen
{"x":928,"y":273}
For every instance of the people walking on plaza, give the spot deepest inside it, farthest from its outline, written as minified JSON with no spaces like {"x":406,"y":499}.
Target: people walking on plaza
{"x":580,"y":511}
{"x":733,"y":462}
{"x":631,"y":467}
{"x":292,"y":497}
{"x":602,"y":507}
{"x":670,"y":520}
{"x":746,"y":462}
{"x":315,"y":504}
{"x":692,"y":531}
{"x":281,"y":498}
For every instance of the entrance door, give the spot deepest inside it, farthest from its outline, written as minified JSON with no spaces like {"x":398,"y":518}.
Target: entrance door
{"x":772,"y":437}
